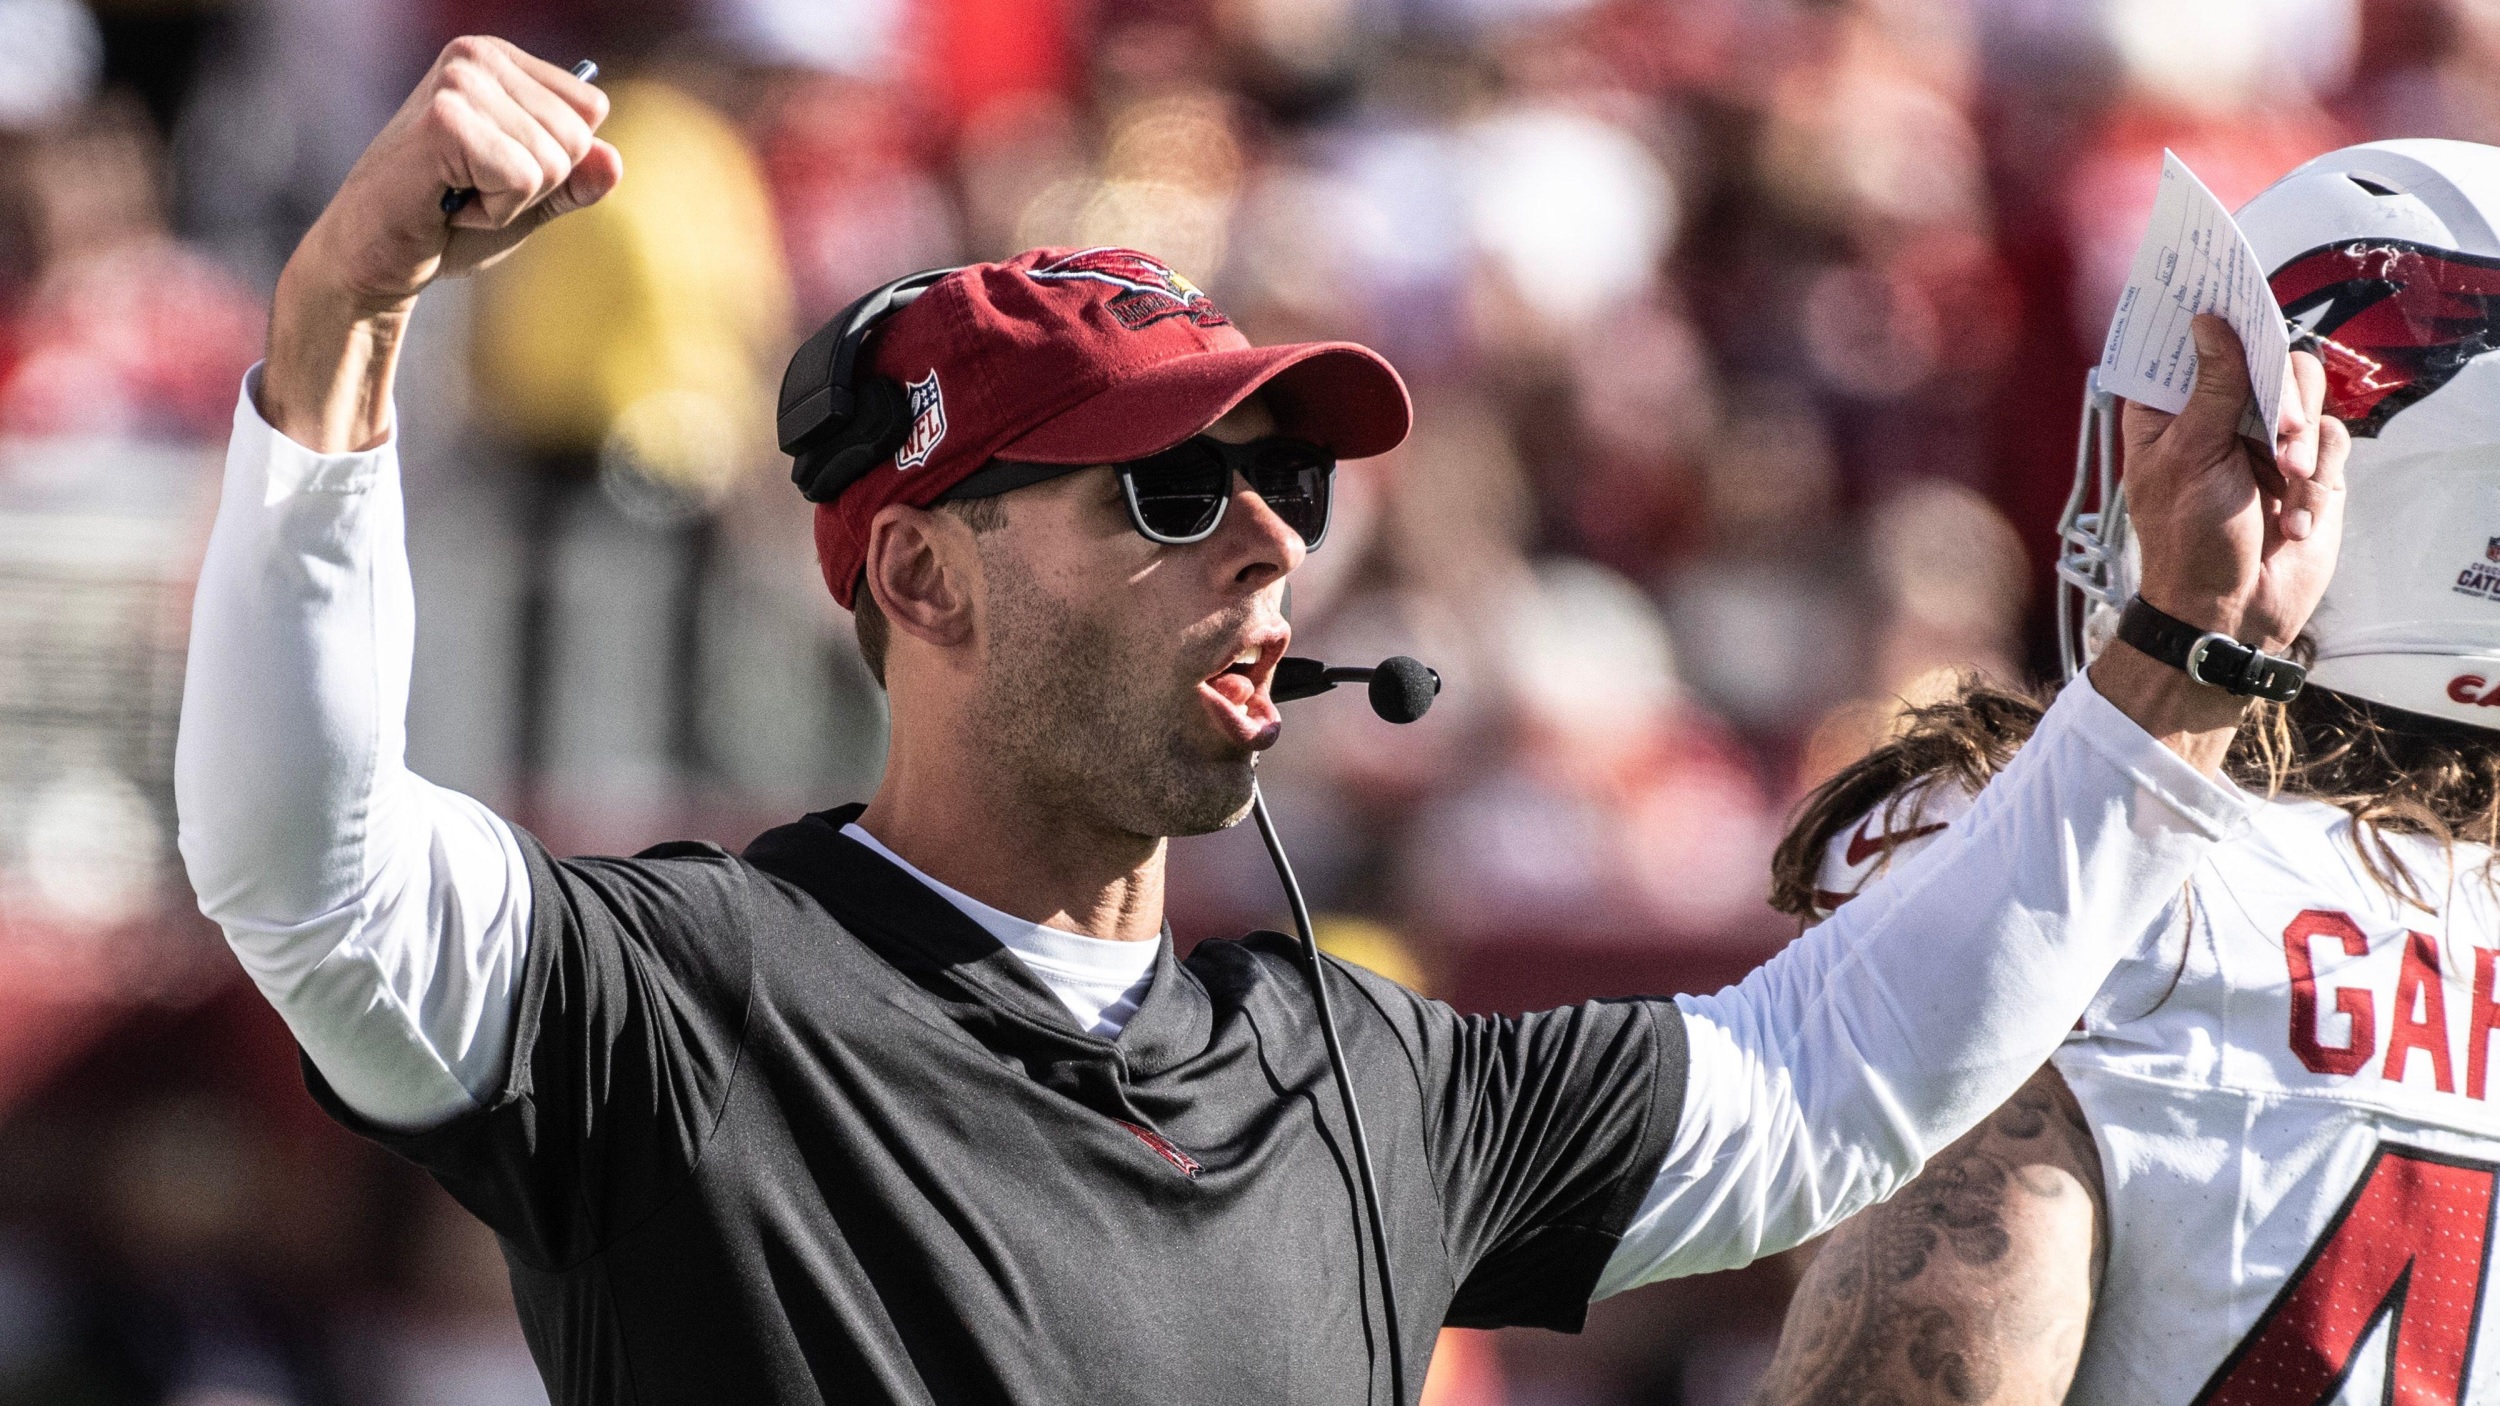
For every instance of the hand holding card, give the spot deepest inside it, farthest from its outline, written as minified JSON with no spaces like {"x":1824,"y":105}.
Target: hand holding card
{"x":2194,"y":259}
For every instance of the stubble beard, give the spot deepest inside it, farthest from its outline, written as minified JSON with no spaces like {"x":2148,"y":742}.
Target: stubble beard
{"x":1084,"y":722}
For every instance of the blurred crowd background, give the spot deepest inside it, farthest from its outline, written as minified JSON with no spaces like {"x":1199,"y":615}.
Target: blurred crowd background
{"x":1746,"y":337}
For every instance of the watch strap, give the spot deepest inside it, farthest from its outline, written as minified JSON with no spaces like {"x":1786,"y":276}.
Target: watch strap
{"x":2209,"y":657}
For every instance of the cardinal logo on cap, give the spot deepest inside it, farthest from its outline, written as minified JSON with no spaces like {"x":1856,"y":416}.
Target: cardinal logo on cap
{"x":928,"y":424}
{"x":1148,"y":291}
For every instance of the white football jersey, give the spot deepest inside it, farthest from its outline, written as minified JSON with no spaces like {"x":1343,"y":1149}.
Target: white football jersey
{"x":2291,"y":1087}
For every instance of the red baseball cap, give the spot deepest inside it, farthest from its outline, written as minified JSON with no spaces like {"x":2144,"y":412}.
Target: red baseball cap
{"x":1087,"y":356}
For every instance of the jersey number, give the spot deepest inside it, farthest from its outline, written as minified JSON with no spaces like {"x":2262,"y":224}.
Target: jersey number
{"x":2408,"y":1245}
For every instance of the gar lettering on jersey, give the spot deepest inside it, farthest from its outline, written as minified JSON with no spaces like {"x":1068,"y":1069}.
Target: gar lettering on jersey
{"x":2404,"y":977}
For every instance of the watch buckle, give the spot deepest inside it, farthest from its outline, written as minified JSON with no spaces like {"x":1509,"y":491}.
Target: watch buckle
{"x":2195,"y":663}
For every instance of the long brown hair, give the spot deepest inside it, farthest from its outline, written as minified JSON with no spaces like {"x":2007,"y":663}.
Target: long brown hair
{"x":2395,"y":772}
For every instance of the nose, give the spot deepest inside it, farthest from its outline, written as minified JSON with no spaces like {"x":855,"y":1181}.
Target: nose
{"x":1253,"y":545}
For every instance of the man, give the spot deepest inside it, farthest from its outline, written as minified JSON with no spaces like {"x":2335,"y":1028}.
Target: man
{"x":2262,"y":1169}
{"x":914,"y":1102}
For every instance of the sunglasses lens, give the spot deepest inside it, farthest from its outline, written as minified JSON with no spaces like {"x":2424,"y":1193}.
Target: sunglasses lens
{"x":1295,"y":479}
{"x":1180,"y":493}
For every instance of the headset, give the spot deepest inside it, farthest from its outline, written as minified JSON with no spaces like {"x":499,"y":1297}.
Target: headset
{"x":837,"y":420}
{"x":1400,"y":690}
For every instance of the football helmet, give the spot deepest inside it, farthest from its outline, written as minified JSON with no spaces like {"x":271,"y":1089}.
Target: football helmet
{"x":2386,"y":261}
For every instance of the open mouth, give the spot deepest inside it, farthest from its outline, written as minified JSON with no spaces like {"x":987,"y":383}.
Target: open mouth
{"x":1238,"y":693}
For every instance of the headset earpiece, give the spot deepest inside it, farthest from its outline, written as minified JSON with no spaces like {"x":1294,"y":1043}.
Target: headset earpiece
{"x":880,"y":417}
{"x":836,"y":419}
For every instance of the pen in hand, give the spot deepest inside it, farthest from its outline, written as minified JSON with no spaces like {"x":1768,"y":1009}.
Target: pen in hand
{"x":458,"y":196}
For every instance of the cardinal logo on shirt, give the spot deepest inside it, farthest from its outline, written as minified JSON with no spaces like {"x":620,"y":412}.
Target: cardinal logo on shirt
{"x":1148,"y":291}
{"x":2392,"y":320}
{"x":928,"y":424}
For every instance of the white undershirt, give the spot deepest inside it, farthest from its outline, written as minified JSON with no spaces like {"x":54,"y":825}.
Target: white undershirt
{"x":388,"y":919}
{"x":1100,"y":981}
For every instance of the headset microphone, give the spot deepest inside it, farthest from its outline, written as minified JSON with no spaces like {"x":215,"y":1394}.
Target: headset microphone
{"x":1401,"y":690}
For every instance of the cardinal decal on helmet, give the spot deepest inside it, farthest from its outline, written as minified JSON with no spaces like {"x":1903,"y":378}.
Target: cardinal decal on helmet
{"x":2392,"y":320}
{"x":1147,"y":291}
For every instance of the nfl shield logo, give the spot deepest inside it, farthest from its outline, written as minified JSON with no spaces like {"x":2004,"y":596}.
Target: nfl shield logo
{"x":928,"y":426}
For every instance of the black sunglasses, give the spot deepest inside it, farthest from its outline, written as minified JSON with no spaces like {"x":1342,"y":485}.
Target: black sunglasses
{"x":1178,"y":496}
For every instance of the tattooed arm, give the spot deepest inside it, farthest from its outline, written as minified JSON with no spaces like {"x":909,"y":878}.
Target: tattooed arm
{"x":1973,"y":1285}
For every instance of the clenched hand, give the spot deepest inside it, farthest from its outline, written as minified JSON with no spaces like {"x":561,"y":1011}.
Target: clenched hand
{"x":489,"y":117}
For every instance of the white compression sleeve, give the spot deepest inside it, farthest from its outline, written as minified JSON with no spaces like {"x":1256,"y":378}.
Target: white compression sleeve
{"x":385,"y":917}
{"x":1823,"y":1081}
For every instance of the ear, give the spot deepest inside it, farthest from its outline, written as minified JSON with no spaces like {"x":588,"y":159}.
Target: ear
{"x":924,"y":570}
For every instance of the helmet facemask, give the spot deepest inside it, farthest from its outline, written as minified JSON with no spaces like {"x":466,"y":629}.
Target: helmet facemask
{"x":2097,"y":563}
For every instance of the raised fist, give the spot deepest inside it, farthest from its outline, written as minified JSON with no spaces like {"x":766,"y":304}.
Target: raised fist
{"x":488,"y":117}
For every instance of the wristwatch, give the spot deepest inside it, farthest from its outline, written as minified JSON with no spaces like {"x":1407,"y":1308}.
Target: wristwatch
{"x":2208,"y":656}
